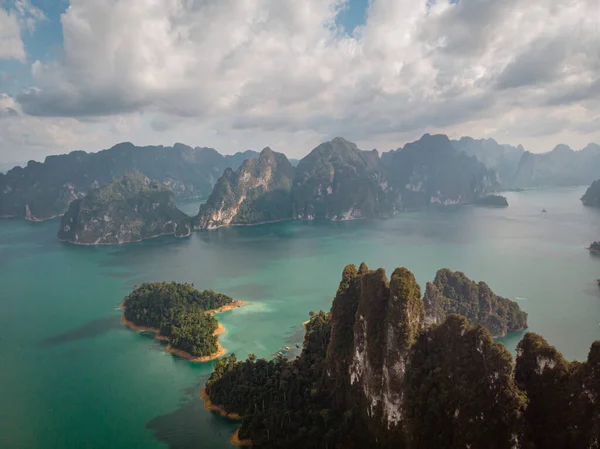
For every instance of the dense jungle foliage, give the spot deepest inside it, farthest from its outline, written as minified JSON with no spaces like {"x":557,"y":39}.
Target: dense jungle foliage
{"x":458,"y":388}
{"x":179,"y":312}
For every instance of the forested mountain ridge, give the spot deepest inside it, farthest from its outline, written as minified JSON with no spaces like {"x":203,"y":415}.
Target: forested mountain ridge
{"x":128,"y":209}
{"x":338,"y":181}
{"x":372,"y":375}
{"x":43,"y":190}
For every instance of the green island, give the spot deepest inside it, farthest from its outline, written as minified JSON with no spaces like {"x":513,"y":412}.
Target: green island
{"x":181,"y":315}
{"x":129,"y":209}
{"x":373,"y":374}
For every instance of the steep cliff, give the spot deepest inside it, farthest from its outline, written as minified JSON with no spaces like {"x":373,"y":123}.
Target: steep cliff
{"x":431,"y":171}
{"x":453,"y":292}
{"x":592,"y":195}
{"x":371,"y":376}
{"x":259,"y":191}
{"x":129,"y":209}
{"x":40,"y":191}
{"x":337,"y":181}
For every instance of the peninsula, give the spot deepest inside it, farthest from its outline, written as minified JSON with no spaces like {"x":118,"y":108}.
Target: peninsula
{"x":180,"y":315}
{"x":129,"y":209}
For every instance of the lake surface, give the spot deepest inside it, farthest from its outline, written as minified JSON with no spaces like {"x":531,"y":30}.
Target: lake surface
{"x":72,"y":377}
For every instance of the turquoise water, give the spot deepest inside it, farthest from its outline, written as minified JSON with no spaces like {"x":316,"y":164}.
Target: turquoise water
{"x":71,"y":376}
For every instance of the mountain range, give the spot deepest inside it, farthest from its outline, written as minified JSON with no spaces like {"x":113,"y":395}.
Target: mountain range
{"x":335,"y":181}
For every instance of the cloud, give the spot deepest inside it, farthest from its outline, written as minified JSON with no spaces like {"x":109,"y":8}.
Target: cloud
{"x":282,"y":71}
{"x":16,"y":16}
{"x":11,"y":45}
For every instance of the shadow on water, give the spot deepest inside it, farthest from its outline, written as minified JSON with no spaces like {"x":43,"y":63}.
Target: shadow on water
{"x":89,"y":330}
{"x":188,"y":426}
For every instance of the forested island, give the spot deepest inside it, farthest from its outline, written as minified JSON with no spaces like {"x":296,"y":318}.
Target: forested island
{"x":181,"y":315}
{"x":129,"y":209}
{"x":373,"y":374}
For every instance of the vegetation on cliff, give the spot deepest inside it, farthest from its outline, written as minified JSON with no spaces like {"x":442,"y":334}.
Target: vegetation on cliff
{"x":43,"y":190}
{"x":259,"y":191}
{"x":453,"y":292}
{"x":129,"y":209}
{"x":591,"y":196}
{"x":338,"y":181}
{"x":370,"y":375}
{"x":179,"y":313}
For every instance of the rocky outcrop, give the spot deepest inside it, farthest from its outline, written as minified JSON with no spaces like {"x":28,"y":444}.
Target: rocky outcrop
{"x":592,"y":195}
{"x":454,"y":293}
{"x":337,"y":181}
{"x":374,"y":324}
{"x":41,"y":191}
{"x":129,"y":209}
{"x":259,"y":191}
{"x":431,"y":171}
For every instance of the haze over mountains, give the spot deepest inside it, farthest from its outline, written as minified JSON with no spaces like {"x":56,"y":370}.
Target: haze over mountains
{"x":336,"y":180}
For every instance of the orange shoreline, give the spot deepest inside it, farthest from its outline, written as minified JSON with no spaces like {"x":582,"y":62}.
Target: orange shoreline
{"x":208,"y":405}
{"x":221,"y":351}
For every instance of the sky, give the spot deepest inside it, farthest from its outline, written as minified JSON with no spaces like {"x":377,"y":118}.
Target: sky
{"x":246,"y":74}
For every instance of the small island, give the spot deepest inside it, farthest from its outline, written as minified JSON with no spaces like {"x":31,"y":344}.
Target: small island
{"x":492,"y":200}
{"x":594,"y":248}
{"x":592,"y":195}
{"x":180,"y":315}
{"x":129,"y":209}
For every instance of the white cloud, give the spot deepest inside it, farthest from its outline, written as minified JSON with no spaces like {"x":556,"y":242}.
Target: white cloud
{"x":235,"y":73}
{"x":15,"y":17}
{"x":11,"y":45}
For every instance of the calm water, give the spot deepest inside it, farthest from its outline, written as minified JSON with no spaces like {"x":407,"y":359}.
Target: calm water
{"x":72,"y":377}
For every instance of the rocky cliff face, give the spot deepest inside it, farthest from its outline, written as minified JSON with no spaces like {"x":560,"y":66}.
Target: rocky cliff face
{"x":129,"y":209}
{"x":592,"y":195}
{"x":560,"y":167}
{"x":40,"y":191}
{"x":431,"y":171}
{"x":337,"y":181}
{"x":454,"y":293}
{"x":259,"y":191}
{"x":374,"y":323}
